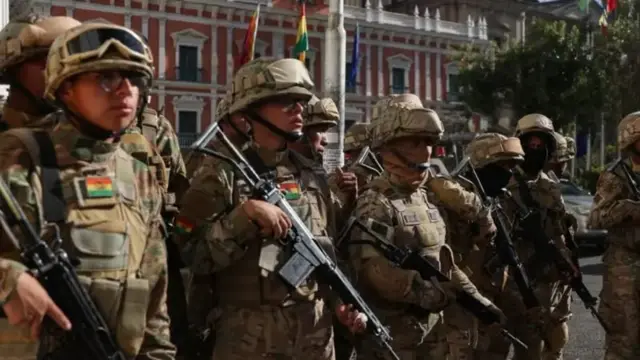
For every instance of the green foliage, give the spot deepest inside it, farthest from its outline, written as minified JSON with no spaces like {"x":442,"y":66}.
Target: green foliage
{"x":556,"y":73}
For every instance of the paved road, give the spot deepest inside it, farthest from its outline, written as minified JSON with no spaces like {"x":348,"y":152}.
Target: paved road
{"x":586,"y":336}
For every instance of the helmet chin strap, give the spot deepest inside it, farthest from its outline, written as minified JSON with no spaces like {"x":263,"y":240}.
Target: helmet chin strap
{"x":288,"y":136}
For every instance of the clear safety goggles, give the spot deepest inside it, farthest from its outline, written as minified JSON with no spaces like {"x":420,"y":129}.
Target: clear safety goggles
{"x":95,"y":43}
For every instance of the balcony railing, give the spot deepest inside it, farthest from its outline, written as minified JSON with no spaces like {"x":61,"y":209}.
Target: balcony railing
{"x":186,"y":139}
{"x":188,"y":74}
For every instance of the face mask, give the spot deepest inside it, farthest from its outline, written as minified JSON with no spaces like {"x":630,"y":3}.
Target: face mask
{"x":494,"y":178}
{"x":534,"y":160}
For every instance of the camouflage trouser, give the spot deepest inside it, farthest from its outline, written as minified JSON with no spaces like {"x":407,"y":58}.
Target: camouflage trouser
{"x":302,"y":331}
{"x":412,"y":344}
{"x":620,"y":303}
{"x":552,"y":328}
{"x":15,"y":343}
{"x":461,"y":333}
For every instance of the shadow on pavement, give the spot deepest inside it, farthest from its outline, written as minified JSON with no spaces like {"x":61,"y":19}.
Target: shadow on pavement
{"x":592,"y":269}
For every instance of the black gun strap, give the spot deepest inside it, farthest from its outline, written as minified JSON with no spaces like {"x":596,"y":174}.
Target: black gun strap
{"x":258,"y":164}
{"x":43,"y":154}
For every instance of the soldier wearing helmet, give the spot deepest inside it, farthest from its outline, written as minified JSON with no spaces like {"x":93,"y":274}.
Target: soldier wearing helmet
{"x":99,"y":75}
{"x":320,"y":115}
{"x":548,"y":338}
{"x":561,"y":157}
{"x":24,"y":43}
{"x":397,"y":207}
{"x":616,"y":208}
{"x":243,"y":234}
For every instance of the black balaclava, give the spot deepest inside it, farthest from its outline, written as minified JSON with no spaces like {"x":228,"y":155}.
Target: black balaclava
{"x":494,"y":178}
{"x":536,"y":158}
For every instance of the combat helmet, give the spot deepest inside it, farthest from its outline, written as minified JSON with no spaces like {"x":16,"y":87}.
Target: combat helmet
{"x":562,"y":149}
{"x":400,"y":120}
{"x":96,"y":47}
{"x":222,"y":108}
{"x":490,"y":148}
{"x":629,"y":130}
{"x":321,"y":113}
{"x":571,"y":147}
{"x":411,"y":100}
{"x":29,"y":37}
{"x":357,"y":137}
{"x":540,"y":125}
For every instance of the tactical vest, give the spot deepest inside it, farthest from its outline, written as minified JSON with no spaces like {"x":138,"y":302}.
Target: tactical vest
{"x":253,"y":281}
{"x":104,"y":220}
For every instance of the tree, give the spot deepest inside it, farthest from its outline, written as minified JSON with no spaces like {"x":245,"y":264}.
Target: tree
{"x":557,"y":72}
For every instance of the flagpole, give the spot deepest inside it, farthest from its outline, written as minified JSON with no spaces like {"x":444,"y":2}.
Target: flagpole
{"x":335,"y":51}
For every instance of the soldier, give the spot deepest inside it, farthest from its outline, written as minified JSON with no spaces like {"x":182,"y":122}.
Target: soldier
{"x":320,"y":115}
{"x":111,"y":221}
{"x":355,"y":141}
{"x":544,"y":330}
{"x":260,"y":317}
{"x":616,"y":204}
{"x":24,"y":43}
{"x":397,"y":207}
{"x":561,"y":157}
{"x":493,"y":156}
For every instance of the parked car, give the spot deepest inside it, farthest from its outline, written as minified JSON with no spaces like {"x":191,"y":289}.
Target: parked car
{"x":578,"y":202}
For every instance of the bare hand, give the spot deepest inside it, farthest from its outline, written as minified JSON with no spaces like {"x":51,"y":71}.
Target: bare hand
{"x":355,"y":321}
{"x":272,"y":220}
{"x":28,"y":305}
{"x":347,"y":182}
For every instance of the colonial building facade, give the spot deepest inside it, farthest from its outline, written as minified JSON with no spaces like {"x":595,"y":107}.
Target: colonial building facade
{"x":194,"y":44}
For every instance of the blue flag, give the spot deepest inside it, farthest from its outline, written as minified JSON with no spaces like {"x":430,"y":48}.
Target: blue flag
{"x":355,"y":57}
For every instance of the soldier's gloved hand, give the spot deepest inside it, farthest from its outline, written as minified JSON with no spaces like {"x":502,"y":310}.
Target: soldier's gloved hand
{"x":272,"y":221}
{"x":355,"y":321}
{"x":347,"y":182}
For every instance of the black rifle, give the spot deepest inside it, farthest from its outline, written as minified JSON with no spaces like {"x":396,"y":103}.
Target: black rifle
{"x":412,"y":260}
{"x":368,"y":161}
{"x":546,"y":250}
{"x":630,"y":177}
{"x":89,"y":337}
{"x":308,"y":256}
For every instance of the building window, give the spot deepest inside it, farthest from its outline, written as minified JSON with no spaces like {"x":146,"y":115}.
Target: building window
{"x":188,"y":60}
{"x":399,"y":68}
{"x":188,"y":110}
{"x":453,"y":85}
{"x":398,"y":85}
{"x":189,"y":44}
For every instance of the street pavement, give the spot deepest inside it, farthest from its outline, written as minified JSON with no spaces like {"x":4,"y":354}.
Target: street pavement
{"x":586,"y":336}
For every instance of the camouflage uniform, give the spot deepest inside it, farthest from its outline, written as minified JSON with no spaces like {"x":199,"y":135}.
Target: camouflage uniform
{"x":469,"y":230}
{"x":561,"y":157}
{"x":355,"y":140}
{"x":487,"y":154}
{"x":617,"y":209}
{"x":405,"y":216}
{"x":320,"y":115}
{"x":259,"y":316}
{"x":24,"y":39}
{"x":553,"y":293}
{"x":115,"y":231}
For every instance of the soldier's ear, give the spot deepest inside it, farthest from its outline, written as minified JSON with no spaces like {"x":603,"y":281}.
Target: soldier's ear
{"x":65,"y":91}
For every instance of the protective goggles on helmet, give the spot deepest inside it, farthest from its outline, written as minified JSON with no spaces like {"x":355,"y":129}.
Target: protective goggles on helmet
{"x":96,"y":42}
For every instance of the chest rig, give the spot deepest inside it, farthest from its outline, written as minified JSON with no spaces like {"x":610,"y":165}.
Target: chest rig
{"x":104,"y":226}
{"x":253,"y":280}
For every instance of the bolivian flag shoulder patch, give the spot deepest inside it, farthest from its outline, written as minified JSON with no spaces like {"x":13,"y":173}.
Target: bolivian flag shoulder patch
{"x":183,"y":225}
{"x":290,"y":190}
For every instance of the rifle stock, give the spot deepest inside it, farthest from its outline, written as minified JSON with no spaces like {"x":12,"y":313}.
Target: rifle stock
{"x":89,"y":337}
{"x":308,"y":256}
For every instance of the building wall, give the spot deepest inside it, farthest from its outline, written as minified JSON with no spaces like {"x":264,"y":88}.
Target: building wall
{"x":415,"y":43}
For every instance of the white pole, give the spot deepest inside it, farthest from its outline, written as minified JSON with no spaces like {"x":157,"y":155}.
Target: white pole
{"x":335,"y":52}
{"x":588,"y":167}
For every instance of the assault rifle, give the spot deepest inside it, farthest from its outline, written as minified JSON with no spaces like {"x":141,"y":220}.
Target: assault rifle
{"x":412,"y":260}
{"x":632,"y":179}
{"x":89,"y":337}
{"x":367,"y":160}
{"x":546,"y":250}
{"x":307,"y":257}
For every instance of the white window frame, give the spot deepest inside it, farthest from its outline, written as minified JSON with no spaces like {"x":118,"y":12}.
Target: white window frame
{"x":311,"y":55}
{"x":360,"y":61}
{"x":188,"y":103}
{"x":399,"y":61}
{"x":261,"y":47}
{"x":189,"y":37}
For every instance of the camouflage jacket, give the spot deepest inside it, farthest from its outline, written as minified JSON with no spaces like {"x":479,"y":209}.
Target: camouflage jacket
{"x":18,"y":119}
{"x":118,"y":202}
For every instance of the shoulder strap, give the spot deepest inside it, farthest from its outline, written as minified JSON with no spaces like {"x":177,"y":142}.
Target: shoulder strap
{"x":43,"y":153}
{"x":149,"y":125}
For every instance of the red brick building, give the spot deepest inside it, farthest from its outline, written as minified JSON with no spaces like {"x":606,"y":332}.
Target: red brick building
{"x":194,"y":44}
